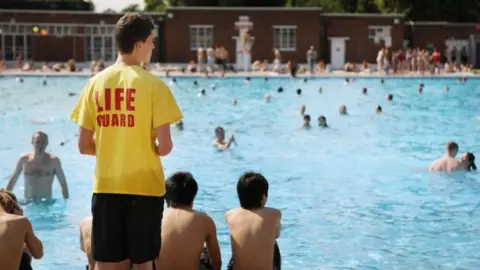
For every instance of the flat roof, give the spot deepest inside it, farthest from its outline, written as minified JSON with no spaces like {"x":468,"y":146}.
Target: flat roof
{"x":365,"y":15}
{"x":440,"y":23}
{"x":76,"y":12}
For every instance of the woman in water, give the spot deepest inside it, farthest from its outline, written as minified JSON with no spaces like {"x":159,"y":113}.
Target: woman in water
{"x":467,"y":162}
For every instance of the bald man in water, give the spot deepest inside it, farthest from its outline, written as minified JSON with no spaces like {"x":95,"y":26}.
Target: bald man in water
{"x":39,"y":169}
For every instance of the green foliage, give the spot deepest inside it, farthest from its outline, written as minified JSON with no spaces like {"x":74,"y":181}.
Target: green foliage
{"x":131,"y":8}
{"x":418,"y":10}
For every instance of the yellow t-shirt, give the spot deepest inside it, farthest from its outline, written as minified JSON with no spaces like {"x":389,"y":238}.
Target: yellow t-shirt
{"x":123,"y":105}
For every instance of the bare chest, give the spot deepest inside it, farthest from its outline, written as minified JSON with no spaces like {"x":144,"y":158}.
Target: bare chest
{"x":38,"y":168}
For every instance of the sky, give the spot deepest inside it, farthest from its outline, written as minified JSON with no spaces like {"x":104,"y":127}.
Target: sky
{"x":117,"y":5}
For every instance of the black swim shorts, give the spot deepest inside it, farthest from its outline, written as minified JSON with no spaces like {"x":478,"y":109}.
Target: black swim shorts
{"x":126,"y":227}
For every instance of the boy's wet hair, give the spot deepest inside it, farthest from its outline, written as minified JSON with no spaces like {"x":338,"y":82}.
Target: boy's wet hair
{"x":132,"y":28}
{"x":181,"y":189}
{"x":251,"y":189}
{"x":8,"y":201}
{"x":306,"y":117}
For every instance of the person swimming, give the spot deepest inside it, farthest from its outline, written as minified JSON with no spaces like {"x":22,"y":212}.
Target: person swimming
{"x":305,"y":80}
{"x":299,"y":92}
{"x":247,"y":80}
{"x":420,"y":88}
{"x":364,"y":91}
{"x":220,"y":142}
{"x":306,"y":121}
{"x":302,"y":109}
{"x":320,"y":90}
{"x":378,"y":109}
{"x":347,"y":81}
{"x":280,"y":90}
{"x":234,"y":102}
{"x":343,"y":110}
{"x":447,"y":163}
{"x":389,"y":97}
{"x":179,"y":125}
{"x":322,"y":121}
{"x":446,"y":88}
{"x":382,"y":81}
{"x":467,"y":162}
{"x":267,"y":98}
{"x":202,"y":93}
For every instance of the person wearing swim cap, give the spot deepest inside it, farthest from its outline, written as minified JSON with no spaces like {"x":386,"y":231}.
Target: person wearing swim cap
{"x":39,"y":169}
{"x":124,"y":115}
{"x":447,"y":163}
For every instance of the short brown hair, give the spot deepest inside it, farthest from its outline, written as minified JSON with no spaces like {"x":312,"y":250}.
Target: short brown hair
{"x":132,"y":28}
{"x":8,"y":202}
{"x":451,"y":146}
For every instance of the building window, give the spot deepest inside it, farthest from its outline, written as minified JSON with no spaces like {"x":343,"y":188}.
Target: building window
{"x":285,"y":38}
{"x":378,"y":31}
{"x":201,"y":36}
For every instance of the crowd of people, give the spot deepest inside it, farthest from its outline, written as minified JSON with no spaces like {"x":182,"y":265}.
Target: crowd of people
{"x":129,"y":227}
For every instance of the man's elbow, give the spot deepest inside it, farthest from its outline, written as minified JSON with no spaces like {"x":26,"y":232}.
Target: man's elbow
{"x":38,"y":254}
{"x":164,"y":148}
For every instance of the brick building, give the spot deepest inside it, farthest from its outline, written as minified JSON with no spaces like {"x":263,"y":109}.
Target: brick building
{"x":338,"y":37}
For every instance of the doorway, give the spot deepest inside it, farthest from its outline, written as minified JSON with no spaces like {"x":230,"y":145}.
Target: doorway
{"x":337,"y":52}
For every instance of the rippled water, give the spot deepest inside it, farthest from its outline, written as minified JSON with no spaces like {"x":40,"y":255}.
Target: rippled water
{"x":355,"y":196}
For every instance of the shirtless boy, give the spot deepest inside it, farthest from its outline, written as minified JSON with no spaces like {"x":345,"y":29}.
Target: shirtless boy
{"x":220,"y":142}
{"x":39,"y":168}
{"x":185,"y":231}
{"x":15,"y":232}
{"x":86,"y":241}
{"x":254,"y":227}
{"x":447,"y":163}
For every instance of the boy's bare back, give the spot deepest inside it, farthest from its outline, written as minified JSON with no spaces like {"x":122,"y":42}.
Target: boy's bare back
{"x":15,"y":232}
{"x":184,"y":233}
{"x":253,"y":234}
{"x":86,"y":241}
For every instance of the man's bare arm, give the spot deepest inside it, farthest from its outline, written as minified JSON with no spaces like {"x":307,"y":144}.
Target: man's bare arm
{"x":33,"y":243}
{"x":61,"y":178}
{"x":213,"y":246}
{"x":82,"y":246}
{"x":16,"y":173}
{"x":164,"y":145}
{"x":278,"y":226}
{"x":86,"y":142}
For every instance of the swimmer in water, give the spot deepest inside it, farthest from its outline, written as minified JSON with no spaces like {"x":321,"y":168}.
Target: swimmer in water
{"x":447,"y":163}
{"x":347,"y":80}
{"x":280,"y":90}
{"x":420,"y":88}
{"x":174,"y":80}
{"x":220,"y":142}
{"x":382,"y":81}
{"x":18,"y":241}
{"x":343,"y":110}
{"x":467,"y":162}
{"x":378,"y":109}
{"x":320,"y":90}
{"x":446,"y":89}
{"x":195,"y":83}
{"x":364,"y":91}
{"x":214,"y":87}
{"x":267,"y":98}
{"x":305,"y":80}
{"x":389,"y":97}
{"x":39,"y":169}
{"x":322,"y":121}
{"x":71,"y":94}
{"x":247,"y":80}
{"x":266,"y":79}
{"x":179,"y":125}
{"x":306,"y":122}
{"x":202,"y":93}
{"x":302,"y":109}
{"x":44,"y":83}
{"x":299,"y":92}
{"x":234,"y":102}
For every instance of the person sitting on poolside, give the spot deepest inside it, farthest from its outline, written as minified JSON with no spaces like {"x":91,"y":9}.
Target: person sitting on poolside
{"x":253,"y":227}
{"x":447,"y":163}
{"x":343,"y":110}
{"x":39,"y":169}
{"x":467,"y":162}
{"x":322,"y":121}
{"x":189,"y":237}
{"x":17,"y":239}
{"x":220,"y":142}
{"x":306,"y":121}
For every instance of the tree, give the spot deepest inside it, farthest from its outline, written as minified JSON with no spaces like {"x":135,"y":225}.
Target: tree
{"x":131,"y":8}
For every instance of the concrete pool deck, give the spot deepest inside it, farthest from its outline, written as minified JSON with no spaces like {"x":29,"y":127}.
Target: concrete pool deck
{"x":241,"y":74}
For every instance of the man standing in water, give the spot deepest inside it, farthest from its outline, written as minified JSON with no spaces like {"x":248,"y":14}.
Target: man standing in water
{"x":447,"y":163}
{"x":39,"y":168}
{"x":124,"y":114}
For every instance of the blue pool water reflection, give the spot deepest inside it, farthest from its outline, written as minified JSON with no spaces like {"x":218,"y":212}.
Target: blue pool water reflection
{"x":356,"y":196}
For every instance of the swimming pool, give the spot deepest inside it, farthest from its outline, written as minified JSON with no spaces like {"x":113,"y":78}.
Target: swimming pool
{"x":355,"y":196}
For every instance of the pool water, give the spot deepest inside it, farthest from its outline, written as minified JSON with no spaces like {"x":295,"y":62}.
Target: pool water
{"x":355,"y":196}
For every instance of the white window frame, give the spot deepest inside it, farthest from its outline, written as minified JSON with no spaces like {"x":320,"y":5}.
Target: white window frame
{"x":379,"y":31}
{"x":278,"y":40}
{"x":206,"y":42}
